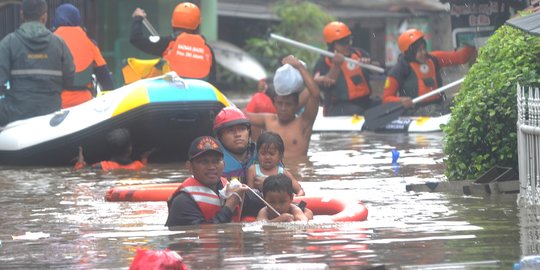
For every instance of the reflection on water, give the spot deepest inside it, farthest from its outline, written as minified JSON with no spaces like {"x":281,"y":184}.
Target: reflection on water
{"x":404,"y":230}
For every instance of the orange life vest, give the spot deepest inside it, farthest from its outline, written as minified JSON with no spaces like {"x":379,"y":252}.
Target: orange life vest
{"x":209,"y":202}
{"x":189,"y":56}
{"x":357,"y":85}
{"x":112,"y":165}
{"x":85,"y":56}
{"x":426,"y":81}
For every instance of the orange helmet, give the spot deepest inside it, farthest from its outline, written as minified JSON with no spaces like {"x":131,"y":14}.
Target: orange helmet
{"x":335,"y":31}
{"x":407,"y":38}
{"x":186,"y":15}
{"x":229,"y":116}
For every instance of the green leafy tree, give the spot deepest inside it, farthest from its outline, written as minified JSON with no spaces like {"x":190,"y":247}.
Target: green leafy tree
{"x":302,"y":21}
{"x":482,"y":130}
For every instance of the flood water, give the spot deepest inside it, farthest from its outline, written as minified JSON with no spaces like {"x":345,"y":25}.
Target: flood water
{"x":404,"y":230}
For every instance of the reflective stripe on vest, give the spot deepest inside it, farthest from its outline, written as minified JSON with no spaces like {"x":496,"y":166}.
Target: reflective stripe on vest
{"x":189,"y":56}
{"x":203,"y":194}
{"x":357,"y":84}
{"x":48,"y":72}
{"x":208,"y":201}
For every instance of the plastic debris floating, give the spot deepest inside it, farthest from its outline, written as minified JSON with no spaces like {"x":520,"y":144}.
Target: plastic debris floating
{"x":395,"y":165}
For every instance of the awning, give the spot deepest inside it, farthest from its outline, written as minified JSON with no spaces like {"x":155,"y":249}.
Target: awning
{"x":529,"y":23}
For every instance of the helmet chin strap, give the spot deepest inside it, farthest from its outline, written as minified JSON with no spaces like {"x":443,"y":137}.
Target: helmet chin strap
{"x":244,"y":153}
{"x":241,"y":155}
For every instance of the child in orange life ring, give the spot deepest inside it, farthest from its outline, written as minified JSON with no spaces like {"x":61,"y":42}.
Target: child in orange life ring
{"x":119,"y":145}
{"x":270,"y":150}
{"x":278,"y":192}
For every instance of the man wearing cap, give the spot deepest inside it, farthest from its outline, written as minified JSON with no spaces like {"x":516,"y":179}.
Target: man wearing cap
{"x":294,"y":130}
{"x":198,"y":200}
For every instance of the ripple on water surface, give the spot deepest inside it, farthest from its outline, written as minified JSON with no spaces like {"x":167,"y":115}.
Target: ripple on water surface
{"x":404,"y":230}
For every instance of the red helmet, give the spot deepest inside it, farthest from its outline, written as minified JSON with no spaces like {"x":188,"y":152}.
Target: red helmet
{"x":407,"y":38}
{"x":335,"y":31}
{"x":229,"y":116}
{"x":186,"y":15}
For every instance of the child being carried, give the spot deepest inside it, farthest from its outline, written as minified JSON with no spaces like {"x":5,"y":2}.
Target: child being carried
{"x":270,"y":151}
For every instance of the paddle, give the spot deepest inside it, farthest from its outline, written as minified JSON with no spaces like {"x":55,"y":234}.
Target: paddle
{"x":380,"y":116}
{"x":323,"y":52}
{"x":237,"y":60}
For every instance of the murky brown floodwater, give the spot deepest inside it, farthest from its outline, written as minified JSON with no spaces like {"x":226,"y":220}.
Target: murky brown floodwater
{"x":404,"y":230}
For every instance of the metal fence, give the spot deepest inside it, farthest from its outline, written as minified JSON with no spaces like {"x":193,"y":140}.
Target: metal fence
{"x":528,"y":136}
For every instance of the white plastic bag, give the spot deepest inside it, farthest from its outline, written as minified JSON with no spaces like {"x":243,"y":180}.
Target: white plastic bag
{"x":226,"y":192}
{"x":288,"y":80}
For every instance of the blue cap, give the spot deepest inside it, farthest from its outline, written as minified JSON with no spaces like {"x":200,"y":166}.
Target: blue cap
{"x":66,"y":15}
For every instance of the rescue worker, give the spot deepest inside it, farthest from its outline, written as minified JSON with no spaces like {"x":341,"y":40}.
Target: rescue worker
{"x":345,"y":86}
{"x":232,"y":128}
{"x":418,"y":72}
{"x":36,"y":63}
{"x":86,"y":56}
{"x":198,"y":200}
{"x":120,"y":148}
{"x":185,"y":50}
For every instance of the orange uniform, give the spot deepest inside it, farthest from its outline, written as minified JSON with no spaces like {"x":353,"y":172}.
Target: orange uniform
{"x":189,"y":56}
{"x":86,"y":56}
{"x":412,"y":79}
{"x":108,"y":165}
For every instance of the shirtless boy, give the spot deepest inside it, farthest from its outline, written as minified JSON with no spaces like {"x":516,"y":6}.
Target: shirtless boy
{"x":294,"y":130}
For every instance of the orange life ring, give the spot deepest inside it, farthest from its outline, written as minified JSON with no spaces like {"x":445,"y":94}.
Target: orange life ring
{"x":141,"y":193}
{"x":337,"y":210}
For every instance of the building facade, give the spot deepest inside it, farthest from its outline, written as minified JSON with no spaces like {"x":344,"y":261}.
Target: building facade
{"x":375,"y":24}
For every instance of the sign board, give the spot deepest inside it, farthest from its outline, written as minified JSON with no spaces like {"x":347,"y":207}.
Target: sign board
{"x":474,"y":21}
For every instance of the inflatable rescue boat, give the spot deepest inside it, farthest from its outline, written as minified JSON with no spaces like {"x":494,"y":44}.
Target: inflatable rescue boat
{"x":337,"y":210}
{"x":164,"y":113}
{"x":403,"y":124}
